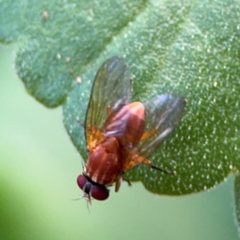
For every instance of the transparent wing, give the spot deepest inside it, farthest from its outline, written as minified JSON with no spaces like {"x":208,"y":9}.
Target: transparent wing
{"x":111,"y":90}
{"x":162,"y":115}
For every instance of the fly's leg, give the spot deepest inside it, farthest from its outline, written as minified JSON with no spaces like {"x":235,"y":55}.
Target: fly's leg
{"x":80,"y":122}
{"x":128,"y":182}
{"x":149,"y":163}
{"x":118,"y":183}
{"x":134,"y":160}
{"x":174,"y":173}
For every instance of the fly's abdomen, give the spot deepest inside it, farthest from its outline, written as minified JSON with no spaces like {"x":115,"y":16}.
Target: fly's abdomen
{"x":127,"y":124}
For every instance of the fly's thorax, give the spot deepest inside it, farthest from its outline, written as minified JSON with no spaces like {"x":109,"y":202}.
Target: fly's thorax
{"x":103,"y":165}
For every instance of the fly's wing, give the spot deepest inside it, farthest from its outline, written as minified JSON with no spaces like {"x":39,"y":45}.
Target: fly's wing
{"x":162,"y":115}
{"x":111,"y":90}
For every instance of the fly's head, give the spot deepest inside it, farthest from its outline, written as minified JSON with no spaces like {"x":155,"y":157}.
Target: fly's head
{"x":92,"y":189}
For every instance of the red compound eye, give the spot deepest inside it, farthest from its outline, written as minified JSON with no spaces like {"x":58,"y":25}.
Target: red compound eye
{"x":81,"y":181}
{"x":98,"y":192}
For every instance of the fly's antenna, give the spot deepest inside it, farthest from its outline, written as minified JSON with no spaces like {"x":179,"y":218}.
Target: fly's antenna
{"x":87,"y":197}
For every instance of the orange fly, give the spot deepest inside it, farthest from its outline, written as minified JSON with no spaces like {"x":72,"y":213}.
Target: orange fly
{"x":119,"y":134}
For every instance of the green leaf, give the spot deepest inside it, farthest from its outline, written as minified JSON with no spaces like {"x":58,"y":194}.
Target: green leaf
{"x":192,"y":55}
{"x":186,"y":47}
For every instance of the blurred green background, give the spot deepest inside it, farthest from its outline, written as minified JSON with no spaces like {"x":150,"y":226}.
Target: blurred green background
{"x":38,"y":170}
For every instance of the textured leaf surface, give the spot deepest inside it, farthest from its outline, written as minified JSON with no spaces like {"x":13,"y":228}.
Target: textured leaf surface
{"x":186,"y":47}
